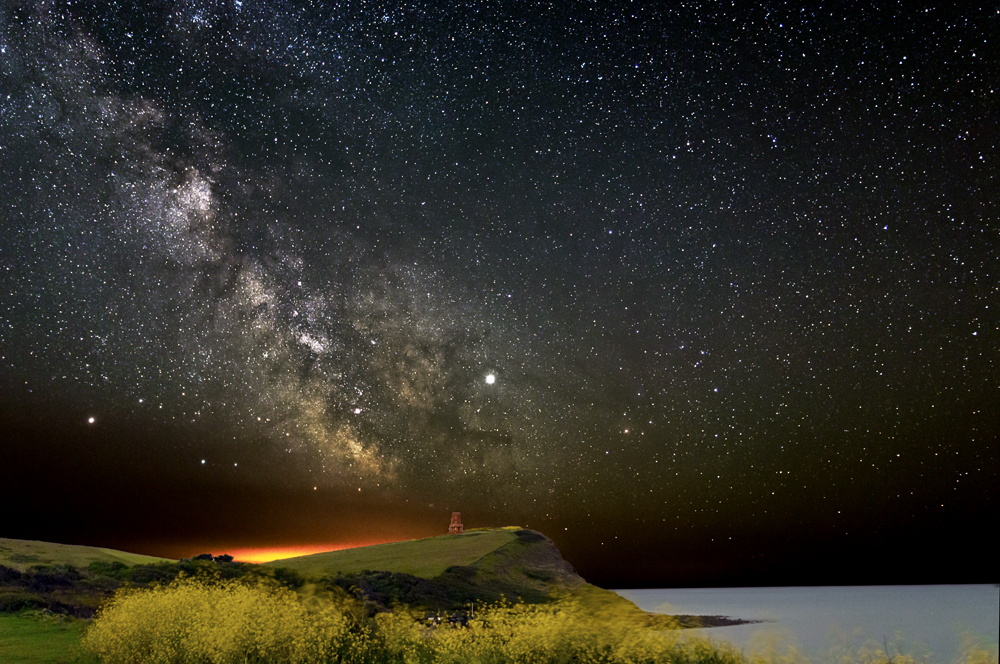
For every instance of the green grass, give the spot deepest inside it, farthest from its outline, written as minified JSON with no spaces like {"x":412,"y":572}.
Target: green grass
{"x":37,"y":638}
{"x":426,"y":558}
{"x":22,"y":554}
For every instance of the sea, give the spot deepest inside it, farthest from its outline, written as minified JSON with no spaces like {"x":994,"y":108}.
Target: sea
{"x":932,"y":623}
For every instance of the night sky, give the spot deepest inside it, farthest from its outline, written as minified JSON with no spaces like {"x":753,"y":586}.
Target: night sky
{"x":708,"y":294}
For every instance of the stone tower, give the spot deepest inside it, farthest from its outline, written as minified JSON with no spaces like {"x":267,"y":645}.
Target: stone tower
{"x":456,"y":527}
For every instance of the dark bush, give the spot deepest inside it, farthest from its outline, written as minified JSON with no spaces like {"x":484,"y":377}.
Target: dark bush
{"x":234,"y":570}
{"x":46,"y":577}
{"x":289,"y":578}
{"x":9,"y":575}
{"x":114,"y":570}
{"x":379,"y":591}
{"x":462,"y":572}
{"x":17,"y":601}
{"x":68,"y":571}
{"x":152,"y":573}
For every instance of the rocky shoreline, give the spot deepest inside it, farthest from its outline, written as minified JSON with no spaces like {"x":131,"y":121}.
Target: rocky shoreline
{"x":662,"y":621}
{"x":716,"y":621}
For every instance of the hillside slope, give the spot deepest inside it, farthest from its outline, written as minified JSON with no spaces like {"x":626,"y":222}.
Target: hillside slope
{"x":22,"y":554}
{"x":449,"y":571}
{"x":425,"y":558}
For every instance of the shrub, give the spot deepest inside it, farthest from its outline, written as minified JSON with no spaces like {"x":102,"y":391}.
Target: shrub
{"x":202,"y":620}
{"x":158,"y":573}
{"x":9,"y":575}
{"x":48,"y":577}
{"x":115,"y":570}
{"x":16,"y":600}
{"x":289,"y":578}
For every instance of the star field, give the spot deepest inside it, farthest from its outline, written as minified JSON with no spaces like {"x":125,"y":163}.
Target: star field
{"x":719,"y":281}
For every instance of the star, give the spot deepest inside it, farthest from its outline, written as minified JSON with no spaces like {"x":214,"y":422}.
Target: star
{"x":213,"y":215}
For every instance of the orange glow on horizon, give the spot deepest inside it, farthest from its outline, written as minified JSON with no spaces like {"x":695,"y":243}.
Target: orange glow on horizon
{"x":267,"y":554}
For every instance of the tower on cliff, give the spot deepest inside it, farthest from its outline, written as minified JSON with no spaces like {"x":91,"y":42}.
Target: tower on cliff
{"x":456,"y":527}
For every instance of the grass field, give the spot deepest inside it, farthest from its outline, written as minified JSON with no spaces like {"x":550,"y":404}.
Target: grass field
{"x":22,"y":554}
{"x":426,"y":558}
{"x":37,"y":638}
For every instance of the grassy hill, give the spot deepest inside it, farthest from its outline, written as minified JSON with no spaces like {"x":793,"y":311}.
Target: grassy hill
{"x":22,"y":554}
{"x":425,"y":558}
{"x":450,"y":571}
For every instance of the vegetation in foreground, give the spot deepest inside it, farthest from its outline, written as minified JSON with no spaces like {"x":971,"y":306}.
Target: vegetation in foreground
{"x":227,"y":621}
{"x":211,"y":609}
{"x":219,"y":621}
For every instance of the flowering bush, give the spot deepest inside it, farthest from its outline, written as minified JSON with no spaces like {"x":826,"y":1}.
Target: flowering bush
{"x":207,"y":621}
{"x":223,"y":622}
{"x":562,"y":632}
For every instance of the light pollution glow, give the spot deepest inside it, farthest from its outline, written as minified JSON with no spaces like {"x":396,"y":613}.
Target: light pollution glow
{"x":268,"y":554}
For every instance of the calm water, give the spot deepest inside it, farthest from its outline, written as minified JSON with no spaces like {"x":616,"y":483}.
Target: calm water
{"x":924,"y":621}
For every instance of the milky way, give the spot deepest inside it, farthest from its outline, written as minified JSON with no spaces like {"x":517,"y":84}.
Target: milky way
{"x":704,"y":272}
